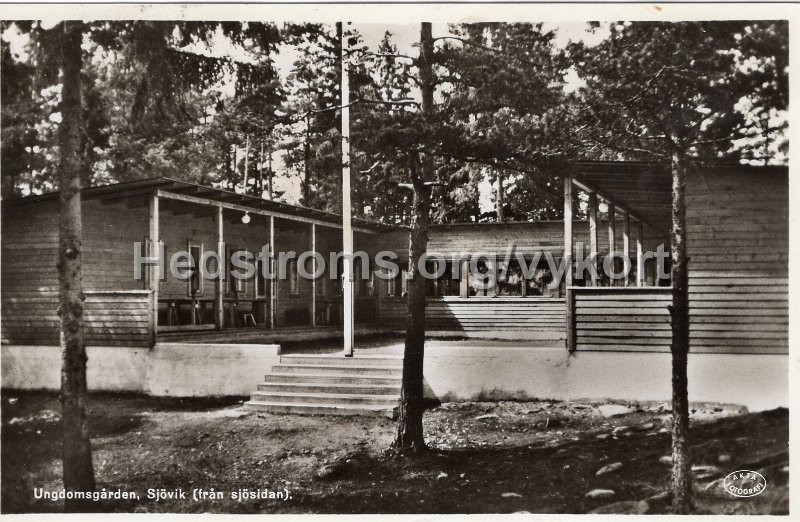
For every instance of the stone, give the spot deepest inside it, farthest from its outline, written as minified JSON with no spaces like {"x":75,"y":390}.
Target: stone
{"x":645,"y":426}
{"x":666,"y":460}
{"x":511,"y":495}
{"x":602,"y":436}
{"x":724,"y":459}
{"x":487,"y":416}
{"x":609,"y":469}
{"x":327,"y":471}
{"x":612,"y":410}
{"x":703,"y":472}
{"x":626,"y":507}
{"x":441,"y":475}
{"x":600,"y":493}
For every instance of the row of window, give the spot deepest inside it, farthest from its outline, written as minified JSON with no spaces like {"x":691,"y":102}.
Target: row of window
{"x":509,"y":278}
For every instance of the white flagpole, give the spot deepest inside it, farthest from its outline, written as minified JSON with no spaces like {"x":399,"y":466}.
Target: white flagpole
{"x":347,"y":225}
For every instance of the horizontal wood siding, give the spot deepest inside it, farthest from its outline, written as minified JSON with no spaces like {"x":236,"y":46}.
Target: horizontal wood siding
{"x":624,"y":319}
{"x":458,"y":315}
{"x":110,"y":318}
{"x":738,"y":245}
{"x":30,"y":278}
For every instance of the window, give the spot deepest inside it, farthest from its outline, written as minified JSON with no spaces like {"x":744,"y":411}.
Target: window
{"x":294,"y":277}
{"x":261,"y":283}
{"x":236,"y":285}
{"x":396,"y":286}
{"x":480,"y":285}
{"x":443,"y":285}
{"x":364,"y":278}
{"x":510,"y":281}
{"x":195,"y":281}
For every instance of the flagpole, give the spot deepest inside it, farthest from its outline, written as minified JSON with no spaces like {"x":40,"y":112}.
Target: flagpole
{"x":347,"y":225}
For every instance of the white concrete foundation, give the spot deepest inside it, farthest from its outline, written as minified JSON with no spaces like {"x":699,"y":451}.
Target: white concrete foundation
{"x":453,"y":371}
{"x":501,"y":372}
{"x":169,"y":369}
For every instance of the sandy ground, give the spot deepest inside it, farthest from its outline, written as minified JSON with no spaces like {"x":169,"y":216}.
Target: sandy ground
{"x":505,"y":457}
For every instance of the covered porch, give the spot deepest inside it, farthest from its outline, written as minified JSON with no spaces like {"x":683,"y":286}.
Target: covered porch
{"x":284,"y":304}
{"x":629,"y":313}
{"x":737,"y":237}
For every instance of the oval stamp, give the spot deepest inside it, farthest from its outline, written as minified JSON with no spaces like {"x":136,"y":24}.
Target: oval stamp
{"x":745,"y":483}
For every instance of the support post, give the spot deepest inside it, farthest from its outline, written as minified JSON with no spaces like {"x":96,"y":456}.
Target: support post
{"x":639,"y":255}
{"x":273,"y":283}
{"x":593,"y":234}
{"x":569,"y":301}
{"x":153,"y":279}
{"x":219,"y":312}
{"x":612,"y":237}
{"x":347,"y":225}
{"x":626,"y":242}
{"x":463,"y":274}
{"x":314,"y":271}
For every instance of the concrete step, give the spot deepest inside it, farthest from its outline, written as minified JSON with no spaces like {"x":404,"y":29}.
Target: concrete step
{"x":338,"y":359}
{"x":388,"y":401}
{"x":338,"y":369}
{"x":316,"y":387}
{"x":334,"y":378}
{"x":321,"y":409}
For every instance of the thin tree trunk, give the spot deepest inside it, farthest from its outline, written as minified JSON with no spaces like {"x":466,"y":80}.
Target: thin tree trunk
{"x":501,"y":197}
{"x":260,"y":181}
{"x":76,"y":451}
{"x":681,"y":464}
{"x":410,"y":436}
{"x":270,"y":174}
{"x":307,"y":163}
{"x":246,"y":161}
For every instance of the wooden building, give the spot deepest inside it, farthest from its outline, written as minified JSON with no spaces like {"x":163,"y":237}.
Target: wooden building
{"x":737,"y":243}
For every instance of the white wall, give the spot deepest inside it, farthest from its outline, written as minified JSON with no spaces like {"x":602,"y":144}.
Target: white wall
{"x":501,"y":372}
{"x":169,"y":369}
{"x":453,"y":371}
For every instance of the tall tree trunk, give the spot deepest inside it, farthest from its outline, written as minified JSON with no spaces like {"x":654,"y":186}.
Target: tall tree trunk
{"x":306,"y":185}
{"x":410,"y":436}
{"x":681,"y":465}
{"x":501,"y":197}
{"x":77,"y":452}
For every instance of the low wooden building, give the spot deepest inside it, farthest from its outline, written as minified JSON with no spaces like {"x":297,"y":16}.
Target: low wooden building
{"x":738,"y":246}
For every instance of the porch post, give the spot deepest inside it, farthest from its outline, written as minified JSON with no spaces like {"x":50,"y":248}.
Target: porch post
{"x":273,"y":284}
{"x":568,"y":294}
{"x":626,"y":241}
{"x":153,"y":281}
{"x":463,"y":274}
{"x":219,"y":317}
{"x":314,"y":280}
{"x":612,"y":235}
{"x":639,"y":255}
{"x":593,"y":234}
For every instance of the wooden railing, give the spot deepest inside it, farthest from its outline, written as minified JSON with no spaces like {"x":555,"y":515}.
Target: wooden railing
{"x":621,"y":318}
{"x":529,"y":317}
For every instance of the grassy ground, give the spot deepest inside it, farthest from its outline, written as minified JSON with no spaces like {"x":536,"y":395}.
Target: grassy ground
{"x":485,"y":457}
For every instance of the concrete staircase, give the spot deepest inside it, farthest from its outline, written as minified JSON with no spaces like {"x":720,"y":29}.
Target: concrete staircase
{"x":331,"y":385}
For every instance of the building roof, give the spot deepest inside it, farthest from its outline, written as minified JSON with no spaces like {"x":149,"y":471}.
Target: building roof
{"x":150,"y":186}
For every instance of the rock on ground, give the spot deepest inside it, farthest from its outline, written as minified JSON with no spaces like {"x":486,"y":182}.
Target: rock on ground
{"x":600,"y":493}
{"x":612,"y":410}
{"x":609,"y":469}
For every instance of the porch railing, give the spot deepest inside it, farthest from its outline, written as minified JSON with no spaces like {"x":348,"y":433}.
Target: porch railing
{"x":621,"y":318}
